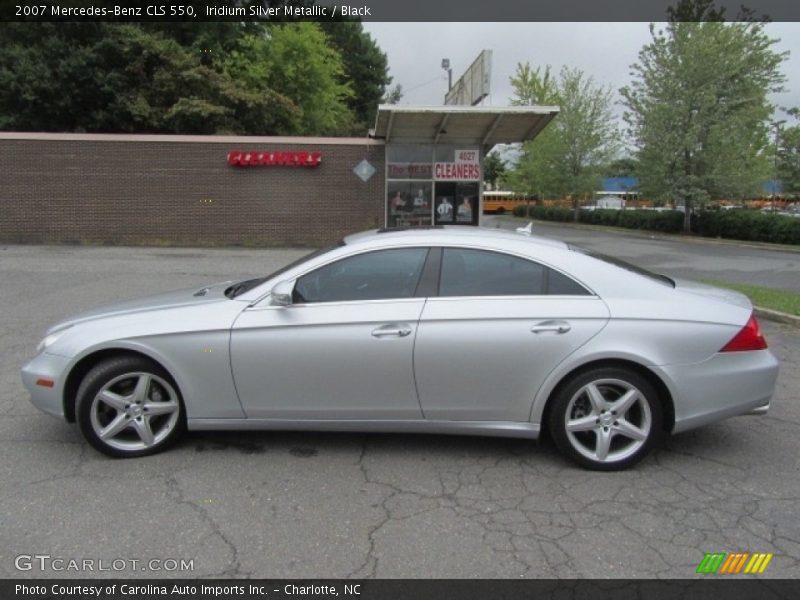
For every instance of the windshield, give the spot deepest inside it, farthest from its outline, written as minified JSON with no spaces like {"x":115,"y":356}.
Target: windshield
{"x":617,"y":262}
{"x":248,"y":284}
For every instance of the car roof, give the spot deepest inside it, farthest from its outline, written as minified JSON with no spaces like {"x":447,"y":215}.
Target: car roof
{"x":449,"y":234}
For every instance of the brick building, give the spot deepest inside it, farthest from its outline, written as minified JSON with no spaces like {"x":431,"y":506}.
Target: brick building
{"x":223,"y":190}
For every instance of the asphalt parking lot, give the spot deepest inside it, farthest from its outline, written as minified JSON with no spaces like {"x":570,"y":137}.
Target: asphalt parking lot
{"x":293,"y":505}
{"x":703,"y":258}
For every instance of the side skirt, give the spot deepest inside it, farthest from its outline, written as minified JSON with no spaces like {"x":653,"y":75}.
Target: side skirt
{"x":487,"y":428}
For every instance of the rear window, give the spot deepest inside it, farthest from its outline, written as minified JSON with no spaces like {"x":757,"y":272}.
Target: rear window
{"x":469,"y":272}
{"x":617,"y":262}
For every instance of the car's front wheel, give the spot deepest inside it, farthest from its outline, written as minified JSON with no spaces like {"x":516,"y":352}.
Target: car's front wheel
{"x":606,"y":419}
{"x":129,"y":406}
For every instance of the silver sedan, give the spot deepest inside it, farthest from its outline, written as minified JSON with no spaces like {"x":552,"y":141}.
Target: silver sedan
{"x":440,"y":330}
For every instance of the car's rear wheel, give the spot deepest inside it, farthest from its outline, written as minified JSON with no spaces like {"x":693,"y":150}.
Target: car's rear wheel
{"x":129,"y":406}
{"x":606,"y":419}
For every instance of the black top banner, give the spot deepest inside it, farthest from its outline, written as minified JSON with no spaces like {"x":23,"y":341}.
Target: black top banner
{"x":398,"y":589}
{"x":390,"y":10}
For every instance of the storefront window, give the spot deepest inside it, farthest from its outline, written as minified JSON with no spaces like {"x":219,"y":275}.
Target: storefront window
{"x":409,"y":161}
{"x":444,"y":153}
{"x":428,"y":184}
{"x":409,"y":203}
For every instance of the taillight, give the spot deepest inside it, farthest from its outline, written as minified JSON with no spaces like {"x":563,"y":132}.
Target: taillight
{"x":749,"y":338}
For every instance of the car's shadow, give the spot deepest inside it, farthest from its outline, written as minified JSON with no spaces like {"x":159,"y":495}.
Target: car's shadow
{"x":312,"y":444}
{"x":714,"y":443}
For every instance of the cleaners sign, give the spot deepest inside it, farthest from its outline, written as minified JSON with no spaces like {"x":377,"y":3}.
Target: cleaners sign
{"x":466,"y":167}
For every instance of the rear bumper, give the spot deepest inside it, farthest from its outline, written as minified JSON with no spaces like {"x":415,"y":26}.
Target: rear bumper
{"x":725,"y":385}
{"x":50,"y":367}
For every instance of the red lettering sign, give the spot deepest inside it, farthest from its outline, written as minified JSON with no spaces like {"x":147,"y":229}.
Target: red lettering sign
{"x":253,"y":158}
{"x":456,"y":172}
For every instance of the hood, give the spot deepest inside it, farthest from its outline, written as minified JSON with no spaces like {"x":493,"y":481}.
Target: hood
{"x":716,"y":293}
{"x":185,"y":297}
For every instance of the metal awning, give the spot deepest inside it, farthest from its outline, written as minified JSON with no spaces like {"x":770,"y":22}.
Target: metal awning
{"x":481,"y":125}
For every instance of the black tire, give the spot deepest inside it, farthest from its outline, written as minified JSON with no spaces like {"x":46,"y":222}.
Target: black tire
{"x":120,"y":377}
{"x":643,"y":418}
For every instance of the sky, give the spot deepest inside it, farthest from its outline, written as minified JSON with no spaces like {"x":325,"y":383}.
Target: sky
{"x":603,"y":50}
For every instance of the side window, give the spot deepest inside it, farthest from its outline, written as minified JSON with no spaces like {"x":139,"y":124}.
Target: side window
{"x":486,"y":273}
{"x":378,"y":275}
{"x":561,"y":285}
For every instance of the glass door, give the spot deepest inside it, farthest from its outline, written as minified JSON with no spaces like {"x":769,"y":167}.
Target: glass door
{"x":456,"y":203}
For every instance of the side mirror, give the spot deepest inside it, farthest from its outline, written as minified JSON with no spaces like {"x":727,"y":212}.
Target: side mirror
{"x":281,"y":294}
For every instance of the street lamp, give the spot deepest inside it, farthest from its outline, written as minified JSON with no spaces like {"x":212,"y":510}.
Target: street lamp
{"x":446,"y":67}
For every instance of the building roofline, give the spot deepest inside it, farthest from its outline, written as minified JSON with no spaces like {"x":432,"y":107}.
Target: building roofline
{"x":485,"y":110}
{"x":204,"y":139}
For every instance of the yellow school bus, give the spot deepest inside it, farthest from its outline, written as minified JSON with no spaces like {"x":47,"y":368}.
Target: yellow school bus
{"x":500,"y":201}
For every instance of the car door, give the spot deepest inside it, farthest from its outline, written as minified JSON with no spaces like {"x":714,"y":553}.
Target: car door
{"x":343,"y":349}
{"x":499,"y":325}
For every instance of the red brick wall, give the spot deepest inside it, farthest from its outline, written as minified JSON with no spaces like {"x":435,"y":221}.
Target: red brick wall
{"x":179,"y":190}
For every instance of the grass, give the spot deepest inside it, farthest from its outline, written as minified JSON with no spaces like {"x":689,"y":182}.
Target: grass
{"x":781,"y":300}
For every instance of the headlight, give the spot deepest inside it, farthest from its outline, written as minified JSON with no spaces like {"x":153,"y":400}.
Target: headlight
{"x":50,"y":339}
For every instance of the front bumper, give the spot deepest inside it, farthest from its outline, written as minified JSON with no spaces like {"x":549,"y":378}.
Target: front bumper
{"x":725,"y":385}
{"x":51,"y":367}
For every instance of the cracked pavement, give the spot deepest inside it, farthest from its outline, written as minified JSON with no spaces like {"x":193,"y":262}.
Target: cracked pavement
{"x":292,"y":505}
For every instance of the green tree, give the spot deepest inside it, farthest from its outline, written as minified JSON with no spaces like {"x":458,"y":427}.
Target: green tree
{"x":789,"y":157}
{"x":566,"y":159}
{"x":534,"y":172}
{"x":698,"y":107}
{"x":494,"y":169}
{"x":394,"y":95}
{"x":296,"y":61}
{"x":254,"y":78}
{"x":622,"y":167}
{"x":93,"y":77}
{"x":154,"y":84}
{"x":365,"y":69}
{"x":101,"y":77}
{"x":533,"y":86}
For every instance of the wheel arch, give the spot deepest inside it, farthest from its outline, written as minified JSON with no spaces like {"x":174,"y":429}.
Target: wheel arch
{"x":87,"y":362}
{"x":663,"y":391}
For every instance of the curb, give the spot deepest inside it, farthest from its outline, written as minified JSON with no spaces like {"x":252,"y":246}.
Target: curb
{"x":776,"y":315}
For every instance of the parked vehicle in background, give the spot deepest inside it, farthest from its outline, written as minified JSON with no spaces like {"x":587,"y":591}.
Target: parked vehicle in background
{"x":500,"y":201}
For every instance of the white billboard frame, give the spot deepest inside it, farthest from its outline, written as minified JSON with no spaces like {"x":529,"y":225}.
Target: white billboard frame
{"x":474,"y":85}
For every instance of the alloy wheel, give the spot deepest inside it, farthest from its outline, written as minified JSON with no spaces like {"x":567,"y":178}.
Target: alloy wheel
{"x":608,"y":420}
{"x":135,"y":411}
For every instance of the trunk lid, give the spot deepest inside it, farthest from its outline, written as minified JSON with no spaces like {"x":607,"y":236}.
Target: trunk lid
{"x":716,"y":293}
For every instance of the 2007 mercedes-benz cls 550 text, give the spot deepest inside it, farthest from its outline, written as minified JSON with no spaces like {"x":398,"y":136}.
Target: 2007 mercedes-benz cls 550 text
{"x":441,"y":330}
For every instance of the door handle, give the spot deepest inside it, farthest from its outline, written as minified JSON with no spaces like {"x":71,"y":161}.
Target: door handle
{"x":391,"y":331}
{"x":558,"y":327}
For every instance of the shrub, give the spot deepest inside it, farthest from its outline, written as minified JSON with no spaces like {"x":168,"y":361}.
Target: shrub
{"x":551,"y":213}
{"x":739,"y":224}
{"x":748,"y":225}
